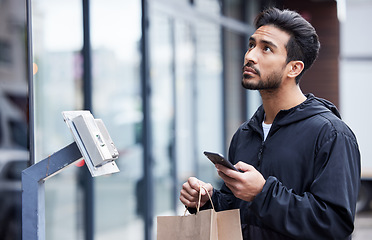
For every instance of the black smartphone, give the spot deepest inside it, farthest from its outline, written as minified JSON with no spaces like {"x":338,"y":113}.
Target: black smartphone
{"x":217,"y":158}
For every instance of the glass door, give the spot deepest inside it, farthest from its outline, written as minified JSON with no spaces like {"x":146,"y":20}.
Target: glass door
{"x":57,"y":43}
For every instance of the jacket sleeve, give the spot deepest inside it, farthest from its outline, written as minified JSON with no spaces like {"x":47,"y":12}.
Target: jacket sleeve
{"x":327,"y":210}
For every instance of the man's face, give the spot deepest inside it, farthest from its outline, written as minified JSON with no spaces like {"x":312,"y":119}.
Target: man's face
{"x":265,"y":59}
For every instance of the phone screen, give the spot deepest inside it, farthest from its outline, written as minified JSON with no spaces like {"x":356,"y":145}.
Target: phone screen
{"x":217,"y":158}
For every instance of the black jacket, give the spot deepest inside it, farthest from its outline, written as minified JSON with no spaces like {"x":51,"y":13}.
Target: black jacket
{"x":311,"y":164}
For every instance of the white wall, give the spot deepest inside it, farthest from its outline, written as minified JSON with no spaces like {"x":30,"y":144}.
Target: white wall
{"x":356,"y":75}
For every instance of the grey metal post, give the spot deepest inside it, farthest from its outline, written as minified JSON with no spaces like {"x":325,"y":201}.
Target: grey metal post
{"x":31,"y":113}
{"x":146,"y":131}
{"x":33,"y":189}
{"x":87,"y":181}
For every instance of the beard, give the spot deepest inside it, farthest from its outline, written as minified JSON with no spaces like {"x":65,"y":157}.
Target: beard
{"x":271,"y":82}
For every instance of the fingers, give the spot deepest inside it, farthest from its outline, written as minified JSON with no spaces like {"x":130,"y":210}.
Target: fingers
{"x":189,"y":194}
{"x":244,"y":167}
{"x":187,"y":200}
{"x":209,"y":188}
{"x":226,"y":175}
{"x":244,"y":185}
{"x":226,"y":171}
{"x":192,"y":186}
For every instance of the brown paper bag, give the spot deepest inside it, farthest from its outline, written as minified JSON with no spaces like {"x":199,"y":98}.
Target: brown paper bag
{"x":204,"y":225}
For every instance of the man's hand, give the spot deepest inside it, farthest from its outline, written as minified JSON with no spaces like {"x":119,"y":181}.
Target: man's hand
{"x":189,"y":195}
{"x":244,"y":185}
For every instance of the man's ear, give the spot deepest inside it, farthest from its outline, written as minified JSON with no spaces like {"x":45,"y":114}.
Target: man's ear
{"x":296,"y":67}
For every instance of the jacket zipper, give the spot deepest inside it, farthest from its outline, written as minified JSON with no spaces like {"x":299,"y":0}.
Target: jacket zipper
{"x":260,"y":152}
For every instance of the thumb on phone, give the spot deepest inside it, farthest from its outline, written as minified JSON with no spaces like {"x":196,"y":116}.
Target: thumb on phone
{"x":244,"y":167}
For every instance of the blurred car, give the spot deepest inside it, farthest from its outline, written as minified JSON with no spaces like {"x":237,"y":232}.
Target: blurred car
{"x":12,"y":162}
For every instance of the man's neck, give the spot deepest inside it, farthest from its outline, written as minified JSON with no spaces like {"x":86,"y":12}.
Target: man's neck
{"x":280,"y":99}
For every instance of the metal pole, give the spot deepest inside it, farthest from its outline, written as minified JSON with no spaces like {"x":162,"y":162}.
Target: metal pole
{"x":87,"y":182}
{"x":146,"y":134}
{"x":33,"y":189}
{"x":31,"y":124}
{"x":173,"y":155}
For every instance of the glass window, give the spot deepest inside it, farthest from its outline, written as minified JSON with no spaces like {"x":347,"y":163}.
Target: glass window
{"x":236,"y":9}
{"x":208,"y":97}
{"x":115,"y":41}
{"x":184,"y":2}
{"x":235,"y":47}
{"x":185,"y":101}
{"x":162,"y":106}
{"x":186,"y":83}
{"x":14,"y":154}
{"x":57,"y":42}
{"x":188,"y":99}
{"x":210,"y":6}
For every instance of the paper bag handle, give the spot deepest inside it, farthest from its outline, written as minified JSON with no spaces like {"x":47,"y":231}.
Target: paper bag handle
{"x":198,"y":206}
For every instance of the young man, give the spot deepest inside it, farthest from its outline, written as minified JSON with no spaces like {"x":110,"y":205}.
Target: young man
{"x":299,"y":162}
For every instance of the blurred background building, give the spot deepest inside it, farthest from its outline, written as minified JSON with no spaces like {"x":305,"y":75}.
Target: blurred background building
{"x":164,"y":75}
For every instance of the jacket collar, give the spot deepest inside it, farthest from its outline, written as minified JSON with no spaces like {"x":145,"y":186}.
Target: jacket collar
{"x":310,"y":107}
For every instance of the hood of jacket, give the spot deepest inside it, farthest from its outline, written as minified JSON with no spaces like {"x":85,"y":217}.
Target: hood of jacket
{"x":310,"y":107}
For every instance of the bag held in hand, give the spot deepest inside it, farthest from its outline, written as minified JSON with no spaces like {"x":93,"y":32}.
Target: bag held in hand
{"x":204,"y":225}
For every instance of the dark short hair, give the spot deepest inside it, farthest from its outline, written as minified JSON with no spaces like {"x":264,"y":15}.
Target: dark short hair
{"x":303,"y":44}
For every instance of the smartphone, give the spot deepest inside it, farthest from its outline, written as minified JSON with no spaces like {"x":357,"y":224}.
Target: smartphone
{"x":217,"y":158}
